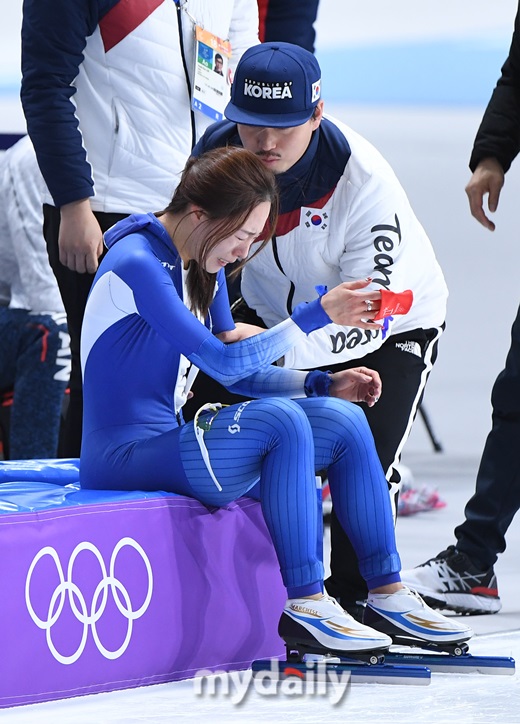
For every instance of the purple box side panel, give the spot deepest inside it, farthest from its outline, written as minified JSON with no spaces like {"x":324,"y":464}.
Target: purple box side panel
{"x":111,"y":596}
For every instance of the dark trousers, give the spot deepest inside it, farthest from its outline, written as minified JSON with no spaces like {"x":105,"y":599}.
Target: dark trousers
{"x":404,"y":375}
{"x":74,"y":290}
{"x":497,"y":493}
{"x":35,"y":367}
{"x":403,"y":362}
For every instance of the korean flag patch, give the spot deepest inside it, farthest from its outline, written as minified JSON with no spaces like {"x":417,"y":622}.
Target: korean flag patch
{"x":316,"y":91}
{"x":314,"y":218}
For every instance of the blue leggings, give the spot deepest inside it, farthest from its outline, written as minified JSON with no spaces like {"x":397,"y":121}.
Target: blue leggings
{"x":271,"y":449}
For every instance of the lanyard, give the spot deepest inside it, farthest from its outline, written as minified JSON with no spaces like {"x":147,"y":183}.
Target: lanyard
{"x":202,"y":426}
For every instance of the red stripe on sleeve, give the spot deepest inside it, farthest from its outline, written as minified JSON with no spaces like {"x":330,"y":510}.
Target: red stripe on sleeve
{"x":123,"y":18}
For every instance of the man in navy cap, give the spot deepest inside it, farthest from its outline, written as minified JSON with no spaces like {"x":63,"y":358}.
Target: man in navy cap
{"x":344,"y":218}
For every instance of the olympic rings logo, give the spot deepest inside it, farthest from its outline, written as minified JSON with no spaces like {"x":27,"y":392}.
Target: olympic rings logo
{"x":77,"y":601}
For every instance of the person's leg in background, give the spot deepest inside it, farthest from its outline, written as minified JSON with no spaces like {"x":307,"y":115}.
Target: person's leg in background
{"x":74,"y":290}
{"x":462,"y":577}
{"x":491,"y":509}
{"x":38,"y":369}
{"x":9,"y":334}
{"x":404,"y":363}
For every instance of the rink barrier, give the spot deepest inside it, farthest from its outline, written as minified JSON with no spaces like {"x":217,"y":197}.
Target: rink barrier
{"x":104,"y":590}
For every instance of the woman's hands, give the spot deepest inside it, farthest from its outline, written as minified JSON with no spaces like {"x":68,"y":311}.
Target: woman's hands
{"x":358,"y":384}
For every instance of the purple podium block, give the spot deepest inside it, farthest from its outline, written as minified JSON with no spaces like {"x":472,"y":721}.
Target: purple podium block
{"x":105,"y":591}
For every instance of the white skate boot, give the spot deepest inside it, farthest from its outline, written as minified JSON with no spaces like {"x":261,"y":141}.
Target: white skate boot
{"x":322,"y":626}
{"x":405,"y":617}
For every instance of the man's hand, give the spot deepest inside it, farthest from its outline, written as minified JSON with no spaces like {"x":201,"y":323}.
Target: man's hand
{"x":80,"y":238}
{"x":488,"y":178}
{"x":348,"y":305}
{"x":358,"y":384}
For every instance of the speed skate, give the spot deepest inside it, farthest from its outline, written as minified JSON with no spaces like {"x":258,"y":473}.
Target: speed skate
{"x":410,"y":622}
{"x":401,"y":640}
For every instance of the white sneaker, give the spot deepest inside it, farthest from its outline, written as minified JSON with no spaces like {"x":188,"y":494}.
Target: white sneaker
{"x":404,"y":613}
{"x":451,"y":580}
{"x":322,"y":624}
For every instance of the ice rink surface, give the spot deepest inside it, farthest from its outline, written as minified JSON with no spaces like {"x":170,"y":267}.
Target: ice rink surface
{"x":428,"y":144}
{"x":465,"y":699}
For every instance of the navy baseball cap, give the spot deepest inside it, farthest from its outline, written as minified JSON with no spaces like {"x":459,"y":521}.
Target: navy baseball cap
{"x":276,"y":85}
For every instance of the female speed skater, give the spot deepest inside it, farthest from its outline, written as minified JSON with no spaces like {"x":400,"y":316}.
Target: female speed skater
{"x":158,"y":311}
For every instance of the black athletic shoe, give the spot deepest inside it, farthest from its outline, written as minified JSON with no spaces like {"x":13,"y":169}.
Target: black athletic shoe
{"x":451,"y":581}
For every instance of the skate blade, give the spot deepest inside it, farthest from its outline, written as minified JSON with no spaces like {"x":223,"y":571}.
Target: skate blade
{"x":359,"y":673}
{"x":458,"y":648}
{"x":448,"y":663}
{"x":297,"y":651}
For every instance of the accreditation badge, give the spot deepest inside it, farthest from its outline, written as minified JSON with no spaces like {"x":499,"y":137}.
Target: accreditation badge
{"x":211,"y":83}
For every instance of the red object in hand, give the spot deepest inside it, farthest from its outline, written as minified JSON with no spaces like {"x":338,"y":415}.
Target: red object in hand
{"x":394,"y":303}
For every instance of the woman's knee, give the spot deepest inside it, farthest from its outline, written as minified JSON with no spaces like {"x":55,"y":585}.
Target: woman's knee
{"x":352,"y":414}
{"x":283,"y":416}
{"x":349,"y":412}
{"x":344,"y":419}
{"x":276,"y":406}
